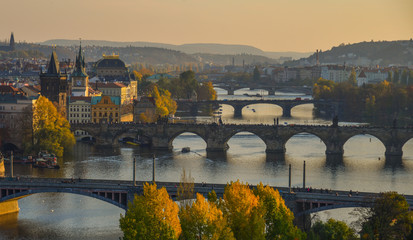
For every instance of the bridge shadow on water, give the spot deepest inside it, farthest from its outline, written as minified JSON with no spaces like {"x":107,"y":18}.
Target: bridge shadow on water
{"x":278,"y":158}
{"x":217,"y":156}
{"x":394,"y":163}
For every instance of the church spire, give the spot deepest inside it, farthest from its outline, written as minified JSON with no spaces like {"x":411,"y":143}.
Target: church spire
{"x":80,"y":64}
{"x":53,"y":64}
{"x":12,"y":44}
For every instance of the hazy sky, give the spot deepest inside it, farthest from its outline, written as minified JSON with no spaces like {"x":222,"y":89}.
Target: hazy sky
{"x":271,"y":25}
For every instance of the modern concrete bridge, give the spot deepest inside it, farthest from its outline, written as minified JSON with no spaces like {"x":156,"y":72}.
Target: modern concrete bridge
{"x":274,"y":137}
{"x":119,"y":193}
{"x":238,"y":105}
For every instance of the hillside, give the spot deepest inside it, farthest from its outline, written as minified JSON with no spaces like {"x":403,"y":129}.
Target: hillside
{"x":384,"y":53}
{"x":208,"y":48}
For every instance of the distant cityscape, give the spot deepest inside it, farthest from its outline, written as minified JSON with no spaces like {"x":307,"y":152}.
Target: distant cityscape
{"x":93,"y":91}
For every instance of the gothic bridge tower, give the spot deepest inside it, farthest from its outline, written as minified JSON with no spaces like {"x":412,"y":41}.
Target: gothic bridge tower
{"x":53,"y":84}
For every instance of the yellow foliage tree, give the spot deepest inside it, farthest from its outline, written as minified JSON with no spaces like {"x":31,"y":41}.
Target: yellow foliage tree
{"x":165,"y":105}
{"x":51,"y":131}
{"x":278,"y":217}
{"x":151,"y":216}
{"x":203,"y":220}
{"x":244,"y":212}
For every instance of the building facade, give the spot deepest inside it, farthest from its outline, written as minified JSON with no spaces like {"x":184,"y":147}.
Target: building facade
{"x":15,"y":111}
{"x":105,"y":109}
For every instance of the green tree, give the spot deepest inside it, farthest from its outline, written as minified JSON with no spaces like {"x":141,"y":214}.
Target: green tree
{"x":389,"y":218}
{"x":256,"y":74}
{"x":352,"y":79}
{"x":389,"y":76}
{"x":244,"y":212}
{"x":278,"y":218}
{"x":51,"y":131}
{"x":188,"y":84}
{"x":332,"y":230}
{"x":152,"y":215}
{"x":203,"y":220}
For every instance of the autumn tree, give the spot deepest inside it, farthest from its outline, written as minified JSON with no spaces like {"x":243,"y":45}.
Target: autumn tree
{"x":51,"y":131}
{"x":244,"y":212}
{"x":206,"y":91}
{"x":389,"y":218}
{"x":186,"y":188}
{"x":203,"y":220}
{"x":278,"y":217}
{"x":152,"y":215}
{"x":332,"y":230}
{"x":165,"y":105}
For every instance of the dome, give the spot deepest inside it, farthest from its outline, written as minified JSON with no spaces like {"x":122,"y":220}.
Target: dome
{"x":110,"y":63}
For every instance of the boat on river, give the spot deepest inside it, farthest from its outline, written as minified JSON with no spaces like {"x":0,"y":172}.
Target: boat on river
{"x":46,"y":160}
{"x":21,"y":160}
{"x":186,"y":150}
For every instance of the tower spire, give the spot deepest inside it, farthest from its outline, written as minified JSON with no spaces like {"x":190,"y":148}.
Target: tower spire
{"x":12,"y":44}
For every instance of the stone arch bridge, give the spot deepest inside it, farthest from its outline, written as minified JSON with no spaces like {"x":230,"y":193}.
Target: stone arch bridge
{"x":274,"y":137}
{"x":238,"y":105}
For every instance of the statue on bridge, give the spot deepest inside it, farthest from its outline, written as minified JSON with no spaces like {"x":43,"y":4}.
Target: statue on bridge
{"x":335,"y":121}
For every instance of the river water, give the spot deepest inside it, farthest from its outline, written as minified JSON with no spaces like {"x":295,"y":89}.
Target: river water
{"x":69,"y":216}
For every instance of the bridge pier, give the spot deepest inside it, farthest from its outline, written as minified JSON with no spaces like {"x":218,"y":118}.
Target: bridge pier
{"x":393,"y":151}
{"x":238,"y":111}
{"x":286,"y":110}
{"x":231,"y":91}
{"x":271,"y":91}
{"x":333,"y":148}
{"x":275,"y":146}
{"x":161,"y":143}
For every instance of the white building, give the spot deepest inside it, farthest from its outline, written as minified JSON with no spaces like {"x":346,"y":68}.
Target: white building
{"x":79,"y":111}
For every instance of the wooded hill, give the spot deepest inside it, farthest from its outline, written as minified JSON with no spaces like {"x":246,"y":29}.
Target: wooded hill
{"x":383,"y":53}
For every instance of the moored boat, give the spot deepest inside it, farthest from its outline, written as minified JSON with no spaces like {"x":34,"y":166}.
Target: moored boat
{"x":46,"y":160}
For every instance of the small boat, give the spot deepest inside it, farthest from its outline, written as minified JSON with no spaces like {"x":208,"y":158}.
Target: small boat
{"x":132,"y":143}
{"x":185,"y":150}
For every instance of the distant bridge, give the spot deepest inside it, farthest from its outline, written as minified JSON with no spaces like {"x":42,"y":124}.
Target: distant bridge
{"x":274,"y":137}
{"x":238,"y":105}
{"x":232,"y":87}
{"x":120,"y":193}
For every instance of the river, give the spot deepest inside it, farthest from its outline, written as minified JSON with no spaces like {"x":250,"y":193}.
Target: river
{"x":70,"y":216}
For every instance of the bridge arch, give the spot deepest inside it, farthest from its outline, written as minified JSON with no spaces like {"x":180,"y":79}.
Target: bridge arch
{"x":122,"y":204}
{"x":407,"y":146}
{"x":297,"y":106}
{"x":349,"y":139}
{"x":178,"y":133}
{"x":231,"y":136}
{"x":85,"y":129}
{"x":309,"y":142}
{"x":330,"y":207}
